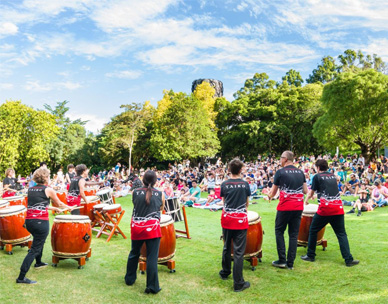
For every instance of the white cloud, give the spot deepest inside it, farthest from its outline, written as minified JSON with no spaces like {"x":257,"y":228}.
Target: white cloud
{"x":6,"y":86}
{"x":36,"y":86}
{"x":125,"y":74}
{"x":8,"y":28}
{"x":95,"y":123}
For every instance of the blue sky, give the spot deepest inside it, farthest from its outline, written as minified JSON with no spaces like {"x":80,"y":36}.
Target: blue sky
{"x":100,"y":54}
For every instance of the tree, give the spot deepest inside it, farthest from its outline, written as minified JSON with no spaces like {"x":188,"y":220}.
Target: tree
{"x":325,"y":72}
{"x":355,"y":112}
{"x":293,"y":78}
{"x":124,"y":129}
{"x":254,"y":85}
{"x":24,"y":135}
{"x":183,"y":131}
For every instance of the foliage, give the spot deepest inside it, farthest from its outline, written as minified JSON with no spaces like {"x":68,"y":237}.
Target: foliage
{"x":205,"y":93}
{"x":65,"y":147}
{"x":24,"y":135}
{"x":183,"y":130}
{"x":293,"y":78}
{"x":325,"y":72}
{"x":355,"y":112}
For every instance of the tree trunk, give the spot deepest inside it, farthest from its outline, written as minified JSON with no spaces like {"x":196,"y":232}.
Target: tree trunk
{"x":130,"y":155}
{"x":368,"y":151}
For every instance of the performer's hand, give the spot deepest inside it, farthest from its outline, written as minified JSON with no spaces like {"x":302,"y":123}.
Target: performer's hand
{"x":306,"y":202}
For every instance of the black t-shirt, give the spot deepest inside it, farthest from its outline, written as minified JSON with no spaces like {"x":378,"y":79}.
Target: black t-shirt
{"x":74,"y":186}
{"x":38,"y":203}
{"x":325,"y":184}
{"x":235,"y":193}
{"x":11,"y":181}
{"x":143,"y":211}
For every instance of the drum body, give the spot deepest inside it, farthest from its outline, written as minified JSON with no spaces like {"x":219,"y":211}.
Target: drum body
{"x":167,"y":242}
{"x":90,"y":191}
{"x":173,"y":209}
{"x":89,"y":207}
{"x":71,"y":236}
{"x":105,"y":196}
{"x":254,"y":235}
{"x":112,"y":209}
{"x":62,"y":196}
{"x":305,"y":223}
{"x":4,"y":204}
{"x":11,"y":225}
{"x":16,"y":200}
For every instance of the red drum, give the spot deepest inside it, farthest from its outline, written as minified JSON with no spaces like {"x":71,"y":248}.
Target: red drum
{"x":90,"y":191}
{"x":16,"y":200}
{"x":305,"y":223}
{"x":112,"y":209}
{"x":4,"y":204}
{"x":167,"y":242}
{"x":11,"y":225}
{"x":105,"y":196}
{"x":254,"y":236}
{"x":62,"y":196}
{"x":71,"y":236}
{"x":88,"y":208}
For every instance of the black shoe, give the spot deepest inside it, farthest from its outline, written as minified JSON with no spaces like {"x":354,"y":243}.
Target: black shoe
{"x":290,"y":267}
{"x":351,"y":211}
{"x":40,"y":265}
{"x":25,"y":281}
{"x":279,"y":264}
{"x":359,"y":213}
{"x":245,"y":286}
{"x":147,"y":291}
{"x":353,"y":263}
{"x":223,"y":277}
{"x":307,"y":258}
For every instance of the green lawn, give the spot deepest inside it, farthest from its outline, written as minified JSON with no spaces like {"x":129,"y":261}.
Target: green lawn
{"x":198,"y":261}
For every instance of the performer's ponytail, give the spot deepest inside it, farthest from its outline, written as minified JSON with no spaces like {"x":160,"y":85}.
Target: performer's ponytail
{"x":149,"y":180}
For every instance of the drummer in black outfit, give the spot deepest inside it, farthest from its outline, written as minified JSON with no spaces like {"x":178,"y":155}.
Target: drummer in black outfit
{"x":37,"y":220}
{"x":292,"y":184}
{"x":9,"y":183}
{"x":330,"y":210}
{"x":70,"y":173}
{"x":235,"y":193}
{"x":145,"y":227}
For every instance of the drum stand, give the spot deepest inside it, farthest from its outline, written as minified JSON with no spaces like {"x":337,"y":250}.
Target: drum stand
{"x":183,"y":233}
{"x":322,"y":243}
{"x":170,"y":265}
{"x":81,"y":260}
{"x":9,"y":247}
{"x":253,"y":260}
{"x":110,"y":225}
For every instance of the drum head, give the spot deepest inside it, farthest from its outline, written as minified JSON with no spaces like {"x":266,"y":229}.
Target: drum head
{"x":91,"y":199}
{"x":12,"y":210}
{"x":252,"y":216}
{"x":100,"y":206}
{"x":165,"y":219}
{"x":4,"y":203}
{"x":103,"y":191}
{"x":72,"y":218}
{"x":310,"y":208}
{"x":14,"y":198}
{"x":111,"y":207}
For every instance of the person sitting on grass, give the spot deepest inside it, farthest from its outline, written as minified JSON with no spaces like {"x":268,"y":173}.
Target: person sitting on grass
{"x":380,"y":194}
{"x":363,"y":203}
{"x":340,"y":185}
{"x":353,"y":185}
{"x":193,"y":195}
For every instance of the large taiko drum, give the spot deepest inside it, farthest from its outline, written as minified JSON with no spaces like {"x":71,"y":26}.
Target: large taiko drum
{"x":16,"y":200}
{"x":305,"y":223}
{"x":105,"y":196}
{"x":167,"y":242}
{"x":12,"y":221}
{"x":4,"y":204}
{"x":112,"y":209}
{"x":62,"y":196}
{"x":90,"y":191}
{"x":89,"y":207}
{"x":71,"y":236}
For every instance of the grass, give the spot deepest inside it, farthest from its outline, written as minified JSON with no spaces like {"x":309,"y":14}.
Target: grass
{"x":198,"y":261}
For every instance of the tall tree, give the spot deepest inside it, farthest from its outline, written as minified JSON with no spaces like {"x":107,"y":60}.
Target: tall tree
{"x":355,"y":112}
{"x":293,"y":77}
{"x":24,"y":135}
{"x":325,"y":72}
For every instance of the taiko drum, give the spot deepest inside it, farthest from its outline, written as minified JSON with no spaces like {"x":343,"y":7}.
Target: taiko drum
{"x":90,"y":191}
{"x":16,"y":200}
{"x":89,"y":207}
{"x":305,"y":223}
{"x":3,"y":204}
{"x":167,"y":242}
{"x":71,"y":236}
{"x":12,"y":229}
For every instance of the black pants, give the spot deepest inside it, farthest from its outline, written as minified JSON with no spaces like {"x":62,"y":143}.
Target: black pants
{"x":239,"y":238}
{"x":337,"y":222}
{"x":39,"y":230}
{"x":152,"y":263}
{"x":292,"y":219}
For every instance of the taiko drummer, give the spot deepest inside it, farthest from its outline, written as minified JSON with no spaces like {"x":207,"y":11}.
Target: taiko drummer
{"x":145,"y":227}
{"x":330,"y":210}
{"x":37,"y":220}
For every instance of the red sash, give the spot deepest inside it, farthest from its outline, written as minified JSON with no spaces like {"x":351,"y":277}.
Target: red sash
{"x":290,"y":202}
{"x":37,"y":214}
{"x":8,"y":194}
{"x":145,"y":230}
{"x":330,"y":207}
{"x":234,"y":220}
{"x":73,"y":200}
